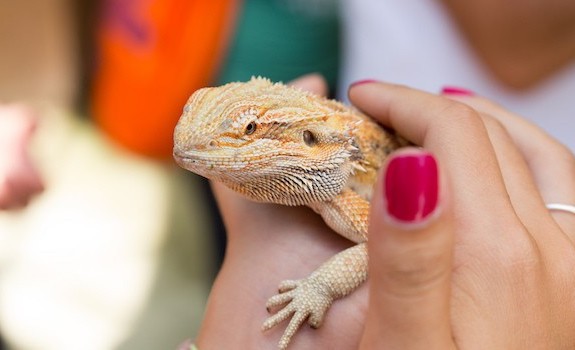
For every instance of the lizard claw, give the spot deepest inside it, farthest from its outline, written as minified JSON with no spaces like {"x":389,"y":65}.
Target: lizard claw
{"x":305,"y":300}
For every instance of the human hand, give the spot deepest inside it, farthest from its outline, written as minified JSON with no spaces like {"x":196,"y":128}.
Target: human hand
{"x":19,"y":178}
{"x":550,"y":162}
{"x":493,"y":268}
{"x":271,"y":240}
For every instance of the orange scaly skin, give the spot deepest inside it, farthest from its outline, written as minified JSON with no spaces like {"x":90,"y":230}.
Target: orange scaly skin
{"x":277,"y":144}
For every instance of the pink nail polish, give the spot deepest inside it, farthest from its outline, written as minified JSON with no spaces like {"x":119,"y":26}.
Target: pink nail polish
{"x":411,"y":187}
{"x":362,"y":82}
{"x":452,"y":90}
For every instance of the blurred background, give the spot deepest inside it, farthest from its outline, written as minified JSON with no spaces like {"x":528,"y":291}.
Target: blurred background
{"x":120,"y":249}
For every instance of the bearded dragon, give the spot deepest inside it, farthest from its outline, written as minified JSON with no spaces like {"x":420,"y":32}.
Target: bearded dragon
{"x":278,"y":144}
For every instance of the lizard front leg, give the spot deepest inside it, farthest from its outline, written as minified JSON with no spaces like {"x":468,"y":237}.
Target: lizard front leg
{"x":310,"y":298}
{"x":347,"y":214}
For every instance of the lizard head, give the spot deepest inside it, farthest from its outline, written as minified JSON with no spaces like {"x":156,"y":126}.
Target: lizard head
{"x":271,"y":142}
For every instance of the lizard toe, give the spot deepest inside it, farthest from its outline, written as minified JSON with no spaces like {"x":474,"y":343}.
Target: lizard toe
{"x":279,"y":299}
{"x":288,"y":285}
{"x":308,"y":301}
{"x":279,"y":317}
{"x":296,"y":322}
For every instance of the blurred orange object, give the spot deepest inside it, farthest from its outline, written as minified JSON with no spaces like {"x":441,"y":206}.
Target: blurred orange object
{"x":152,"y":55}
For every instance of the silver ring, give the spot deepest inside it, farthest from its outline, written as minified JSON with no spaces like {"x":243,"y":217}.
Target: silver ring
{"x":561,"y":207}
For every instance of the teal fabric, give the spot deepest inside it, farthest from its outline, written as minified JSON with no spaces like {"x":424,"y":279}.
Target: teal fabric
{"x":281,"y":41}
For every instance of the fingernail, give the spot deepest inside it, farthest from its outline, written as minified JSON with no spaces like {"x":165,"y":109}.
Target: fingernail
{"x":411,"y":187}
{"x":362,"y":82}
{"x":452,"y":90}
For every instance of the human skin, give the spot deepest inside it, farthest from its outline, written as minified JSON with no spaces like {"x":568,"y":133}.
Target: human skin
{"x":493,"y":268}
{"x":522,"y":43}
{"x":509,"y":283}
{"x":20,"y":179}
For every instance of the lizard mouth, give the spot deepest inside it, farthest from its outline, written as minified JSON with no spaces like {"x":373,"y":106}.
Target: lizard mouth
{"x":183,"y":159}
{"x":201,"y":163}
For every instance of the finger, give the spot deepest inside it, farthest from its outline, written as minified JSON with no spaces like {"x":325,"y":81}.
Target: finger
{"x":455,"y":133}
{"x":311,"y":82}
{"x":410,"y":257}
{"x":551,"y":163}
{"x":523,"y":192}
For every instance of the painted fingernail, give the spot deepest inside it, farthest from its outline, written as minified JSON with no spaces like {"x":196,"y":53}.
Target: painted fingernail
{"x":452,"y":90}
{"x":362,"y":82}
{"x":411,"y":187}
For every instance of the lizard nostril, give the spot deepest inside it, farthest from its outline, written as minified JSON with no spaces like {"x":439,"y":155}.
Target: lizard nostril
{"x":212,"y":143}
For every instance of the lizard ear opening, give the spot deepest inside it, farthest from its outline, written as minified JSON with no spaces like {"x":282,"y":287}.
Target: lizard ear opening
{"x":309,"y":138}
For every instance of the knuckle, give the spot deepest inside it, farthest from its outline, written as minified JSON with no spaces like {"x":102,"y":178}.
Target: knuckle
{"x":461,"y":111}
{"x":415,"y":271}
{"x":493,"y":125}
{"x":517,"y":252}
{"x":460,"y":118}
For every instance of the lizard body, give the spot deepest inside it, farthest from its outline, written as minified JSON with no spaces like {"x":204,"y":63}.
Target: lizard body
{"x":278,"y":144}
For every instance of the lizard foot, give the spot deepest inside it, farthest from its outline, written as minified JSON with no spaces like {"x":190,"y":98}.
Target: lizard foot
{"x":303,"y":299}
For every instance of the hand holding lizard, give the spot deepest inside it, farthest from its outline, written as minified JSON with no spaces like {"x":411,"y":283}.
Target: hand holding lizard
{"x":486,"y":265}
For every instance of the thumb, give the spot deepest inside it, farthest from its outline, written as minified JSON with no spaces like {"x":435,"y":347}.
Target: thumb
{"x":410,"y":257}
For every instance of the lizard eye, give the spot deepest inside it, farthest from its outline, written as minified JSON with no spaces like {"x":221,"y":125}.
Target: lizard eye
{"x":309,"y":138}
{"x":251,"y":128}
